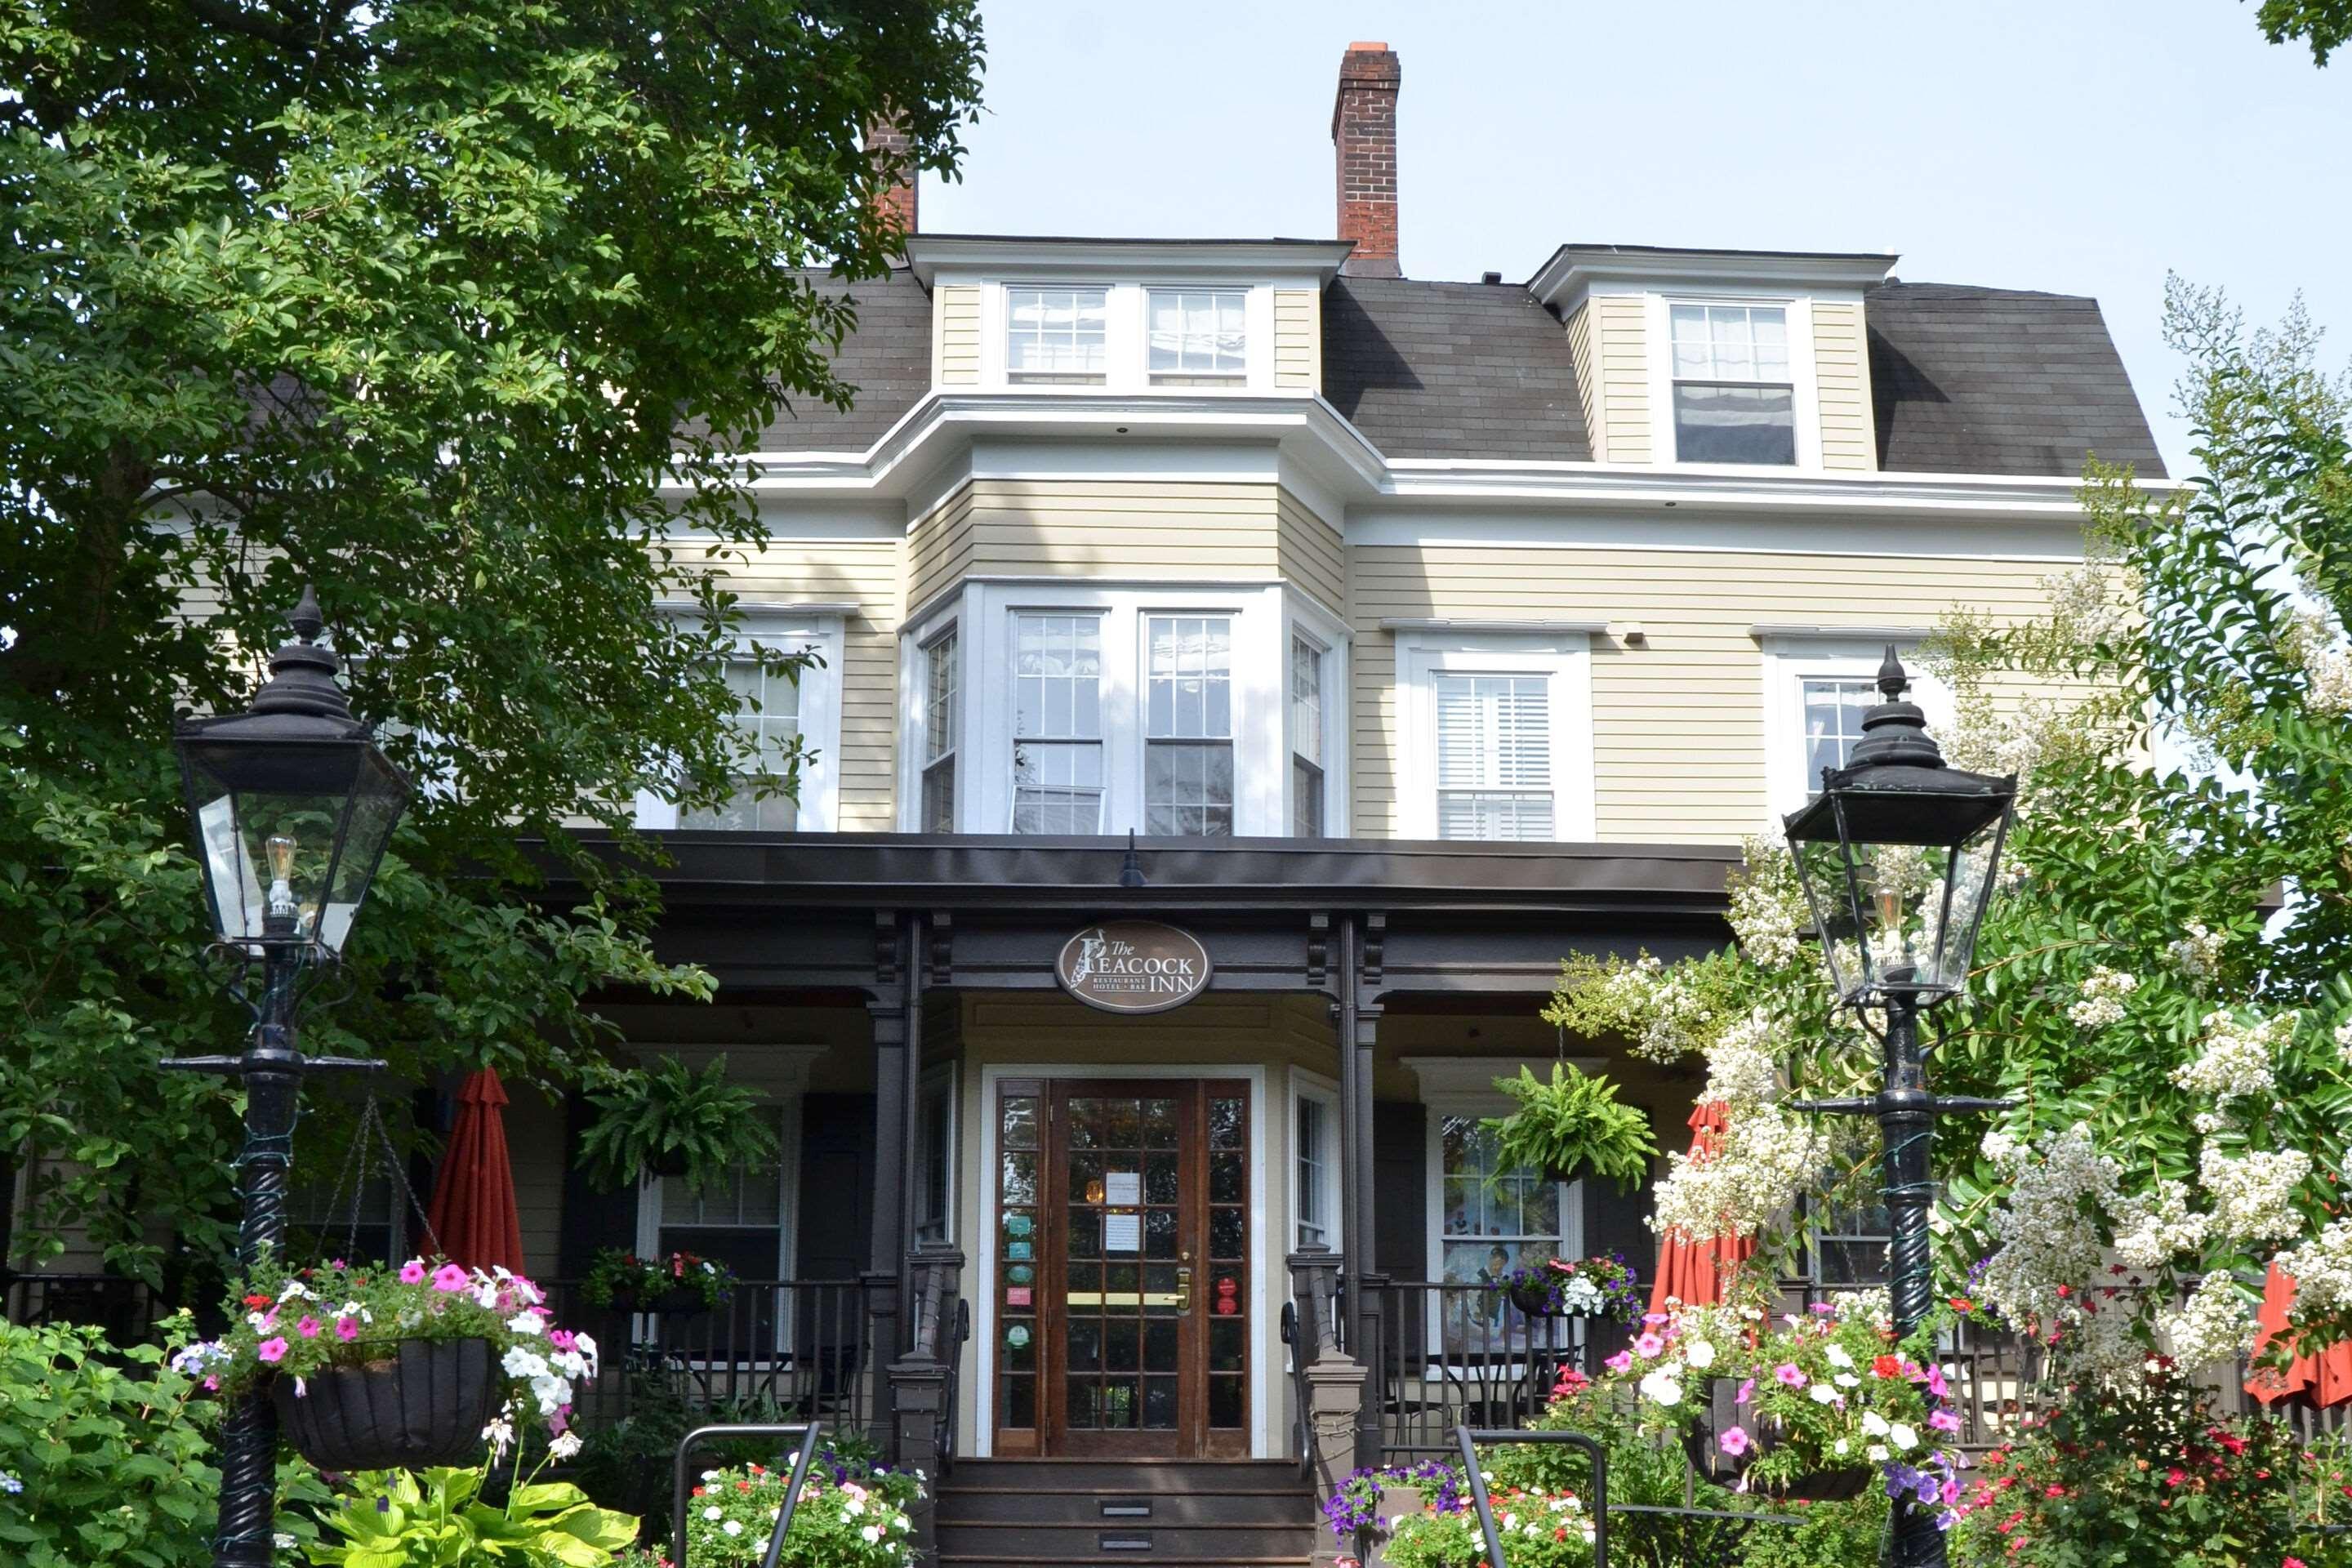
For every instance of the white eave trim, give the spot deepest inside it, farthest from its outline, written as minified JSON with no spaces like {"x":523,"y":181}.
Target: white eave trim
{"x":1485,"y":629}
{"x":923,"y":442}
{"x":933,"y":258}
{"x":1562,"y":282}
{"x":1912,"y":632}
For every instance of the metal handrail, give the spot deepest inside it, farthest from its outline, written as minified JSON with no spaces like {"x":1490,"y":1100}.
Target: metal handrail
{"x":943,"y":1438}
{"x":1469,"y":1441}
{"x":1303,"y":1428}
{"x":807,"y":1431}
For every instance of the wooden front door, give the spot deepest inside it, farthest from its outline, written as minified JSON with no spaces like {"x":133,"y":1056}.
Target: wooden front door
{"x":1123,"y":1269}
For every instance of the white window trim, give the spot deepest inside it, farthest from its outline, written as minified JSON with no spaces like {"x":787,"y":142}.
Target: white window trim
{"x":946,"y":1073}
{"x":1792,"y":658}
{"x":1326,"y":634}
{"x":778,"y":1075}
{"x":1317,"y":1089}
{"x":819,"y":800}
{"x":1805,"y":392}
{"x":1566,"y":658}
{"x":1125,"y":333}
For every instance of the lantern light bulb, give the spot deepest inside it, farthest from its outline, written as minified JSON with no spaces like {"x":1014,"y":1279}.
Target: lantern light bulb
{"x":280,"y":848}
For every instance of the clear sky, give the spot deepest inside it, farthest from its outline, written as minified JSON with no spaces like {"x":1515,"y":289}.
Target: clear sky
{"x":2078,"y":146}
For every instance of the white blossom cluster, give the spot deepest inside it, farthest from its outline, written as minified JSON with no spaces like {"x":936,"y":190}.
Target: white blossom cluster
{"x":1769,"y":914}
{"x":2085,"y":605}
{"x":2316,"y":643}
{"x":2153,"y":1227}
{"x":2212,"y":1327}
{"x":2047,"y":1248}
{"x":2343,"y":1043}
{"x":2235,"y":1063}
{"x":2101,"y":1002}
{"x":2322,"y":1269}
{"x":1742,"y":1062}
{"x":1767,"y":1157}
{"x":1672,"y":1019}
{"x":2253,"y":1195}
{"x":2198,"y":956}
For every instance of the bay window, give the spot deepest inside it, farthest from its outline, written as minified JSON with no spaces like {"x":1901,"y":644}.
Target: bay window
{"x":1188,"y":759}
{"x":942,"y":723}
{"x":1057,"y":752}
{"x":1306,"y":784}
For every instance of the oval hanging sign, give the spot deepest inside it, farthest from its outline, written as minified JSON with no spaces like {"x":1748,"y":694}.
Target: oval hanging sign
{"x":1133,"y":966}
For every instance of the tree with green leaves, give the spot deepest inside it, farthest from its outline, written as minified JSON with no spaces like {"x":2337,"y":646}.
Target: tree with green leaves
{"x":2161,"y":981}
{"x":2325,"y":25}
{"x":466,"y":311}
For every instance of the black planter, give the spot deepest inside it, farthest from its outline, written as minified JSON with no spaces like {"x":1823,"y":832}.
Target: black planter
{"x":1719,"y":1415}
{"x":423,"y":1403}
{"x":1534,"y":1299}
{"x":673,"y":1163}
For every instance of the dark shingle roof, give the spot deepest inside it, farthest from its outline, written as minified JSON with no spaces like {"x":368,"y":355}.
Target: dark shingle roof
{"x":1998,"y":381}
{"x":1451,"y":370}
{"x":888,"y":359}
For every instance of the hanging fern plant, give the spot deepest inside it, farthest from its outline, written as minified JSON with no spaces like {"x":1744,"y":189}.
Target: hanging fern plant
{"x":1572,"y":1126}
{"x":670,"y":1120}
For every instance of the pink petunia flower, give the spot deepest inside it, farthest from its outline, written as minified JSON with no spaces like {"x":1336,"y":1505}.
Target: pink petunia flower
{"x":347,"y":1329}
{"x":560,"y":1338}
{"x":450,"y":1278}
{"x":1747,"y":1391}
{"x":412,"y":1272}
{"x":1619,"y":1362}
{"x":1943,"y":1421}
{"x":308,"y":1328}
{"x":1734,"y":1441}
{"x":272,"y":1349}
{"x":1788,"y":1372}
{"x":1649,"y":1347}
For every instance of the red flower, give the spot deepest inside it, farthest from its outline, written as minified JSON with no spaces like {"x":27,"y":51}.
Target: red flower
{"x":1886,"y":1366}
{"x":1962,"y":1304}
{"x":2064,"y":1291}
{"x":2175,"y":1476}
{"x":257,"y":1301}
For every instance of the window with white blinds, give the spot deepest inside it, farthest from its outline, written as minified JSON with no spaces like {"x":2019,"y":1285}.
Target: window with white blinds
{"x":1494,"y":756}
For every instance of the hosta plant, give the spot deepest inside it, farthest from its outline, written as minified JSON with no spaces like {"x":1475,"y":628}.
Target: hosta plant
{"x":851,"y":1514}
{"x":296,"y":1323}
{"x":397,"y":1519}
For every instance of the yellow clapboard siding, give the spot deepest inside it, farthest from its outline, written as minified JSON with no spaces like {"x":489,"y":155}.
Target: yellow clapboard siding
{"x":1841,"y":369}
{"x":955,"y":340}
{"x":1588,"y":387}
{"x":1298,"y":340}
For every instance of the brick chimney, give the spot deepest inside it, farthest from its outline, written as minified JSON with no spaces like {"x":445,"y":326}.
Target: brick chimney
{"x":894,"y":202}
{"x":1364,"y":143}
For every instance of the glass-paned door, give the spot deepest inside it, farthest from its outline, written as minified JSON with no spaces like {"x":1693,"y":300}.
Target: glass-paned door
{"x":1123,"y":1300}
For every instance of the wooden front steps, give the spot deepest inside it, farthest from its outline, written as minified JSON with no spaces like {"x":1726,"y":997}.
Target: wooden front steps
{"x":1048,"y":1513}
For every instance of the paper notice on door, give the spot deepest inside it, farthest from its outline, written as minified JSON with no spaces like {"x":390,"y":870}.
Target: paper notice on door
{"x":1123,"y":1188}
{"x":1123,"y":1233}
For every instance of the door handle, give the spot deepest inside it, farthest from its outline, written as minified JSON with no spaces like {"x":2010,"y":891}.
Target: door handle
{"x":1184,"y":1290}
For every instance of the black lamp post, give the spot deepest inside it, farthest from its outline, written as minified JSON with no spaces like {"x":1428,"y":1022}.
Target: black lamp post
{"x":292,"y":806}
{"x":1898,"y":855}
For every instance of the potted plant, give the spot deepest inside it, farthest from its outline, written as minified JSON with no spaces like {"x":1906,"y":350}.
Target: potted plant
{"x":668,"y":1120}
{"x":1570,"y":1126}
{"x":681,"y":1282}
{"x":851,"y":1514}
{"x":1573,"y":1287}
{"x":1367,"y":1509}
{"x":376,"y":1367}
{"x":1814,"y":1406}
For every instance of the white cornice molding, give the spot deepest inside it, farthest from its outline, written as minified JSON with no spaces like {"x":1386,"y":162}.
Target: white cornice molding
{"x":934,"y":257}
{"x":1562,"y":282}
{"x":916,"y":457}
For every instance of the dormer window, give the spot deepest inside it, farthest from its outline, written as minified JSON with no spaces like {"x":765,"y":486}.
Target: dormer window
{"x":1056,"y":336}
{"x":1198,"y":335}
{"x":1735,"y":399}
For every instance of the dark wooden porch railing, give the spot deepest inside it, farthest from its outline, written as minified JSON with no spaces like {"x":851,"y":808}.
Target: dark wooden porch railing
{"x":126,"y":1308}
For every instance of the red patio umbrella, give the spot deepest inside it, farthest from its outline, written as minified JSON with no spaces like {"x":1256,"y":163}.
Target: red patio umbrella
{"x":473,"y":1211}
{"x":2325,"y":1378}
{"x":1694,"y":1272}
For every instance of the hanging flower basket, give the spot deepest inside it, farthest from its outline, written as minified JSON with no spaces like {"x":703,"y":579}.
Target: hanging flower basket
{"x":678,"y":1302}
{"x":1719,"y":1413}
{"x":678,"y":1283}
{"x":1573,"y":1287}
{"x":422,"y":1402}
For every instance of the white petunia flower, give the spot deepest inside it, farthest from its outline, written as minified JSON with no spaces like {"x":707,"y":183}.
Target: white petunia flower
{"x":1699,"y":1353}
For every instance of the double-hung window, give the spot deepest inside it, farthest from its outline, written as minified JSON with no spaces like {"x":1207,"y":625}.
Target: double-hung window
{"x":942,"y":723}
{"x":1198,"y":335}
{"x":1316,"y":1156}
{"x":1495,"y":756}
{"x":1833,"y":710}
{"x":1307,"y":785}
{"x":1734,"y":395}
{"x":1057,"y":748}
{"x":1187,"y":757}
{"x":1057,"y":335}
{"x":767,"y":722}
{"x":1817,"y":688}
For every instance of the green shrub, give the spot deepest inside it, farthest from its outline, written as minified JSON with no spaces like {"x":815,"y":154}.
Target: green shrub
{"x":106,"y":1454}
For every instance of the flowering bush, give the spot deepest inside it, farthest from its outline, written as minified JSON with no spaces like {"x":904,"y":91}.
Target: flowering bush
{"x":1539,"y":1528}
{"x":1576,"y":1288}
{"x":2138,"y":1471}
{"x":850,"y":1515}
{"x":1830,"y":1390}
{"x":298,"y":1323}
{"x":1354,"y":1507}
{"x":620,"y":1278}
